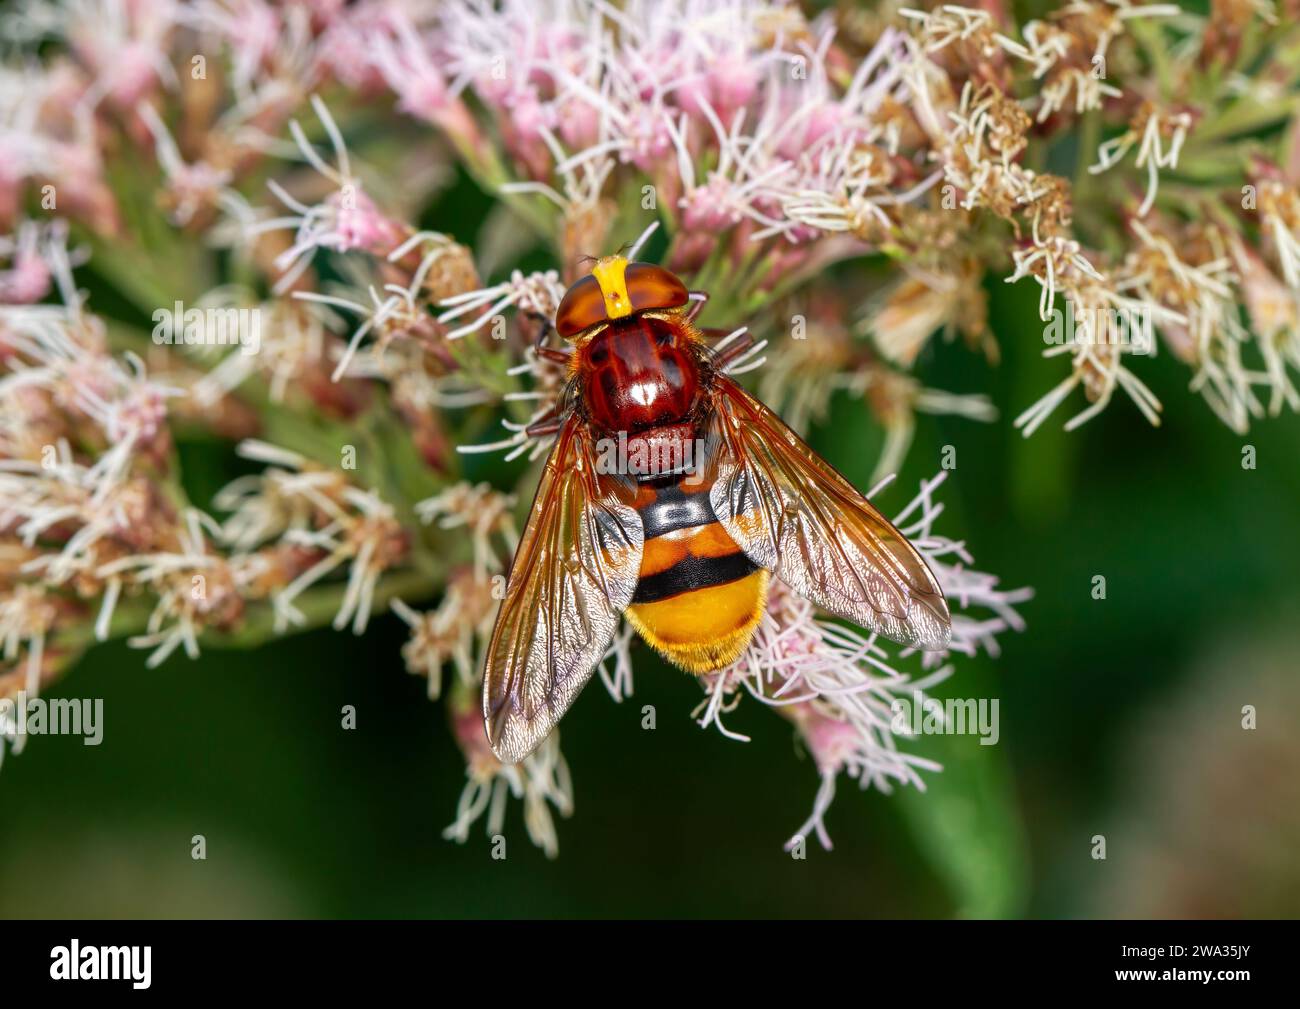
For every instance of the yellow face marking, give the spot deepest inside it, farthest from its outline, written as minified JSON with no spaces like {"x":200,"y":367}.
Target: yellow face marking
{"x":611,"y":274}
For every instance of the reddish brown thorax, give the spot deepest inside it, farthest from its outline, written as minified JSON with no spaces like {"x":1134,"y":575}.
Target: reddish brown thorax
{"x":636,"y":364}
{"x":638,"y":373}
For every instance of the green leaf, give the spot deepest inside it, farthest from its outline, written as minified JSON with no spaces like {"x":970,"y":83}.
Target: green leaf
{"x":966,"y":821}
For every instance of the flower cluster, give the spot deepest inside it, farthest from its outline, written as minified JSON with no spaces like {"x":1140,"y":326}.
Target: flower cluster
{"x":93,"y":515}
{"x":256,"y":177}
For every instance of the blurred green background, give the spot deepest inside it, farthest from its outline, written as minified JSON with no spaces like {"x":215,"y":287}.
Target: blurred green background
{"x":1119,"y":717}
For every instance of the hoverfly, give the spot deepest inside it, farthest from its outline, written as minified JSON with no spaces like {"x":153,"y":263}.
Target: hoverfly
{"x":684,"y":556}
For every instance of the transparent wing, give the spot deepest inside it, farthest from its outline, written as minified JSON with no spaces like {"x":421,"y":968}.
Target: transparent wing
{"x":573,"y":575}
{"x":793,"y":513}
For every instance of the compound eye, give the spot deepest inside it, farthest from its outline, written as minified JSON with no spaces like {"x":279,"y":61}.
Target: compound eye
{"x":582,"y":306}
{"x":650,"y":287}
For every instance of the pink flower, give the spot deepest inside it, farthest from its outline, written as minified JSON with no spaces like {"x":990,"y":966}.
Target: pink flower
{"x":360,"y":224}
{"x":124,"y":46}
{"x":29,"y":277}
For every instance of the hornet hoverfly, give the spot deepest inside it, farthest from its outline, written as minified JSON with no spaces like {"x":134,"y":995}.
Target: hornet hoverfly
{"x":684,"y":556}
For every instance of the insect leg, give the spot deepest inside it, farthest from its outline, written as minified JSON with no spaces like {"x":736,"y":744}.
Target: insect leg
{"x":736,"y":348}
{"x":549,"y":421}
{"x":544,"y":330}
{"x":547,"y":424}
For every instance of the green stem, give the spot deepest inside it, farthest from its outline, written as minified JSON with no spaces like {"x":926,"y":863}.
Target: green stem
{"x":319,"y":605}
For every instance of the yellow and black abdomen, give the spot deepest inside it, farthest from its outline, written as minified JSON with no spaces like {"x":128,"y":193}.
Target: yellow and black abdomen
{"x":699,"y":597}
